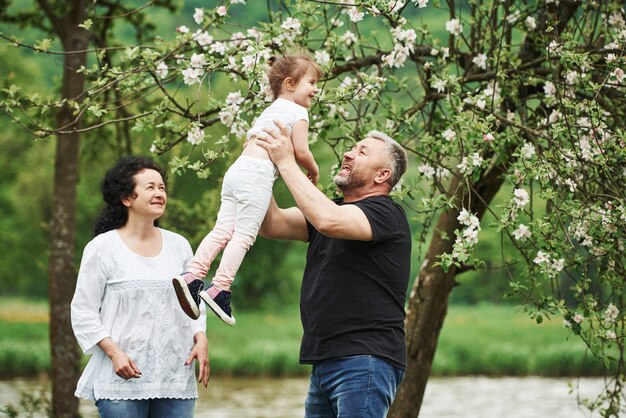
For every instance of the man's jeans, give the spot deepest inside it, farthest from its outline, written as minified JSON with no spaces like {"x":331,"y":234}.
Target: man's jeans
{"x":146,"y":408}
{"x":355,"y":387}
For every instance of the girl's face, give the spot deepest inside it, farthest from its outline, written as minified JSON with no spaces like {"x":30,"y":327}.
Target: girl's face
{"x":306,"y":89}
{"x":149,"y":196}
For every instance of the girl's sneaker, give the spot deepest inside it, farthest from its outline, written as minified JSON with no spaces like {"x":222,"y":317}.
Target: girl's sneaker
{"x":188,"y":294}
{"x":219,"y":302}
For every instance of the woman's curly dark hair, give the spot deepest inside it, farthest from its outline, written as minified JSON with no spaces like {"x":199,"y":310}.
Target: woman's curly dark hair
{"x":118,"y":184}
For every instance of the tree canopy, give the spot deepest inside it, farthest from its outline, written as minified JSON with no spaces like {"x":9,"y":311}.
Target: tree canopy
{"x":512,"y":109}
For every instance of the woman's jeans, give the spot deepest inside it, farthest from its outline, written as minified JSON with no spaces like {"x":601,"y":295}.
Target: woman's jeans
{"x":356,"y":387}
{"x":146,"y":408}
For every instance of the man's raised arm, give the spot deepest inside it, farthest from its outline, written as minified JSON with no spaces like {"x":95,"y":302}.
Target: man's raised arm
{"x":346,"y":222}
{"x":287,"y":224}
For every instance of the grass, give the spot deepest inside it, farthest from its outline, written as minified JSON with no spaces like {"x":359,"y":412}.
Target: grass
{"x":486,"y":339}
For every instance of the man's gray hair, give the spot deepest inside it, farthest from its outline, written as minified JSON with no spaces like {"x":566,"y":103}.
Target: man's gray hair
{"x":396,"y":156}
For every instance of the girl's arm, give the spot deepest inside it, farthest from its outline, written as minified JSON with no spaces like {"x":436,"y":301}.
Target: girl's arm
{"x":304,"y":157}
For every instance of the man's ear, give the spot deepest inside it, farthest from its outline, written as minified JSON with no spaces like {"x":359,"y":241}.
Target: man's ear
{"x":289,"y":84}
{"x":382,"y":176}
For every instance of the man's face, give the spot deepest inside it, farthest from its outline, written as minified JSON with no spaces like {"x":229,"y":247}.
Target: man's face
{"x":361,"y":164}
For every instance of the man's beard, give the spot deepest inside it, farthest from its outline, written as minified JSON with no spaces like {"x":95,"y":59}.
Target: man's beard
{"x":353,"y":180}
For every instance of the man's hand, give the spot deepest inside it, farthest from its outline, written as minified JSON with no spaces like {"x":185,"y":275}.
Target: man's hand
{"x":277,"y":143}
{"x":200,"y":352}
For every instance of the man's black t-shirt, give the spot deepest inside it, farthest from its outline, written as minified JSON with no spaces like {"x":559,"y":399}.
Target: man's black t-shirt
{"x":353,"y":292}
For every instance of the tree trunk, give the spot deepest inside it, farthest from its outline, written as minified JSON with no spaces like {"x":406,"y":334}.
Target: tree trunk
{"x":62,"y":272}
{"x":428,"y":304}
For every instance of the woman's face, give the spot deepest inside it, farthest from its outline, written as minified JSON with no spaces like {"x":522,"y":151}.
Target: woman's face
{"x":149,"y":197}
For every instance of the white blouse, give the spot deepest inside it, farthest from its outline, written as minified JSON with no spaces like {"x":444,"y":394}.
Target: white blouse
{"x":130,"y":298}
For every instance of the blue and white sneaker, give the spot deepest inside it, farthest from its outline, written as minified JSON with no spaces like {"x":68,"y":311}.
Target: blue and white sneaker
{"x":188,"y":295}
{"x":219,"y":304}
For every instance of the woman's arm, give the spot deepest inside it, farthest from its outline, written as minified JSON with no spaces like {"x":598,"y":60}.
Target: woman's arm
{"x":87,"y":300}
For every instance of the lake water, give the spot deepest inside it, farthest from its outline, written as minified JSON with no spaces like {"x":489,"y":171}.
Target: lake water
{"x":467,"y":397}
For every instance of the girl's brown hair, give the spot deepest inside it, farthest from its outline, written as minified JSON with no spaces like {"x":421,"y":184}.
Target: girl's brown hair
{"x":294,"y":66}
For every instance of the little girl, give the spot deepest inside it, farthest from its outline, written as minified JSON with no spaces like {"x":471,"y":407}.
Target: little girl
{"x":247,"y":189}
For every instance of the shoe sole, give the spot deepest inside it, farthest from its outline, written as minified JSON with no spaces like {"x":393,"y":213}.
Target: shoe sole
{"x":229,"y":320}
{"x":185,"y":299}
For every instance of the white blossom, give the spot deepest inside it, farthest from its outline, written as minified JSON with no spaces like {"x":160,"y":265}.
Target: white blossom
{"x":520,"y":197}
{"x":549,"y":89}
{"x":530,"y":23}
{"x":610,"y":335}
{"x":578,"y":318}
{"x":571,"y":77}
{"x":202,"y":38}
{"x":198,"y":15}
{"x":611,"y":313}
{"x":619,"y":75}
{"x":463,"y":165}
{"x":182,"y":29}
{"x":557,"y":265}
{"x":161,"y":70}
{"x":439,"y":85}
{"x":322,"y":57}
{"x":488,"y":137}
{"x":480,"y":61}
{"x":449,"y":135}
{"x":218,"y":47}
{"x":454,"y":27}
{"x":541,"y":258}
{"x":197,"y":61}
{"x":248,"y":62}
{"x":355,"y":15}
{"x":477,"y":160}
{"x":426,"y":170}
{"x":464,"y":216}
{"x":481,"y":103}
{"x":421,"y":3}
{"x":522,"y":233}
{"x":616,"y":20}
{"x":234,"y":98}
{"x":555,"y":115}
{"x":528,"y":151}
{"x":349,"y":38}
{"x":291,"y":25}
{"x":191,"y":76}
{"x":471,"y":236}
{"x":555,"y":48}
{"x":221,"y":10}
{"x":195,"y":135}
{"x":512,"y":18}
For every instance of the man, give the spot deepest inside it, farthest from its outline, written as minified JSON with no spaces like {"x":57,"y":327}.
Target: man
{"x":356,"y":275}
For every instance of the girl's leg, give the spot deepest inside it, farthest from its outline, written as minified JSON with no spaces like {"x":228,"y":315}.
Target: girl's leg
{"x":217,"y":239}
{"x":251,"y":210}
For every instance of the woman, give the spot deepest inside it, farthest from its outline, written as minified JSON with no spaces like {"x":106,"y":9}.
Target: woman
{"x":124,"y":311}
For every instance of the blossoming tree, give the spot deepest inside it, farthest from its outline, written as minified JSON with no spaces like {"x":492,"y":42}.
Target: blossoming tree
{"x":523,"y":100}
